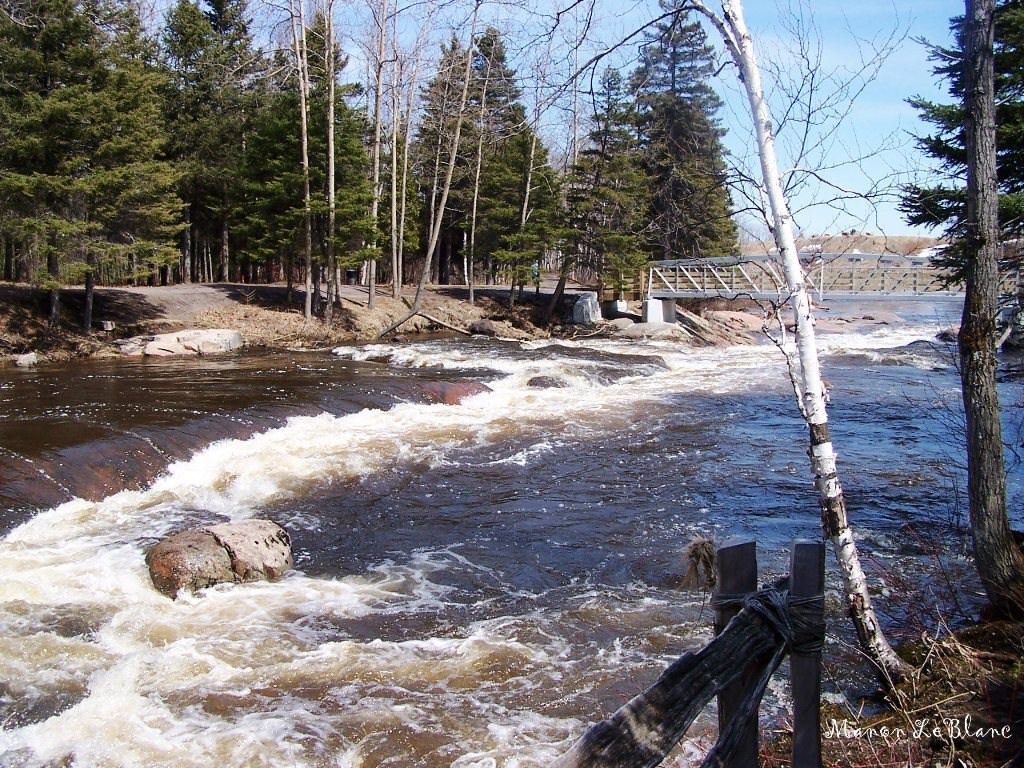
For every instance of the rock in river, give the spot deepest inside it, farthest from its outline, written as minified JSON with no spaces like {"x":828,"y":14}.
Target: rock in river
{"x":451,"y":392}
{"x":247,"y":550}
{"x":198,"y":341}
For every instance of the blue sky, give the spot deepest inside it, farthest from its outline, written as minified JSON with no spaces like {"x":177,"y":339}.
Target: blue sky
{"x":866,"y":147}
{"x":873,"y":145}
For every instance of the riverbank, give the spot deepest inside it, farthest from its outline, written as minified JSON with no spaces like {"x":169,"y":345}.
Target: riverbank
{"x":271,"y":317}
{"x":267,"y":316}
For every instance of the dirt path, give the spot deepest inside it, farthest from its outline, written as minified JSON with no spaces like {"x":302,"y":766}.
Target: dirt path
{"x":262,"y":313}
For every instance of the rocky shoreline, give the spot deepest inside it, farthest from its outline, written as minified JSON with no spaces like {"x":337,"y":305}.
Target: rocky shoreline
{"x":181,"y":319}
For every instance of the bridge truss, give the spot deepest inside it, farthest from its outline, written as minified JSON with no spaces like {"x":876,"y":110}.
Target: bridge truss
{"x":827,"y":275}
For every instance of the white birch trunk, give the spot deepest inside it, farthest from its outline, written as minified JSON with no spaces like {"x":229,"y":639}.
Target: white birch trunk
{"x":298,"y":19}
{"x":378,"y":99}
{"x":332,"y":271}
{"x":471,"y":256}
{"x":437,"y":214}
{"x":406,"y":149}
{"x":396,"y":275}
{"x":811,"y":400}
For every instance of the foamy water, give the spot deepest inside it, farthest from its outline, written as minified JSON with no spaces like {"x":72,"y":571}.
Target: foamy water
{"x":537,"y":597}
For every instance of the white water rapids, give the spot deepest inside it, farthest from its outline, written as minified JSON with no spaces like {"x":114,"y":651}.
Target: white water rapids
{"x":438,"y":651}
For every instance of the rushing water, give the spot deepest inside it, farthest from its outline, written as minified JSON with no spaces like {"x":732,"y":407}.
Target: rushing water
{"x":474,"y":583}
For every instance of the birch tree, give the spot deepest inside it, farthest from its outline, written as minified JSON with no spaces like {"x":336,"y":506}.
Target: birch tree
{"x":469,"y":253}
{"x":732,"y":27}
{"x":437,"y":212}
{"x":298,"y":25}
{"x":380,"y":20}
{"x":406,"y":78}
{"x":332,"y":202}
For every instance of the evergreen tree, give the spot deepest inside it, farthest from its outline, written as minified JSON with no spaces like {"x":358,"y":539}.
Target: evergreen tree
{"x":514,"y":191}
{"x":215,"y":81}
{"x":82,"y":179}
{"x":269,"y":213}
{"x":609,"y":190}
{"x":682,"y":140}
{"x":944,"y":204}
{"x":502,"y":125}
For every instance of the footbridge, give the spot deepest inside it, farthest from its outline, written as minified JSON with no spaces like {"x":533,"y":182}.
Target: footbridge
{"x":827,"y":275}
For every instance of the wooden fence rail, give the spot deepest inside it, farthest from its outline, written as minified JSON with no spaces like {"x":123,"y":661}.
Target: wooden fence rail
{"x":755,"y":630}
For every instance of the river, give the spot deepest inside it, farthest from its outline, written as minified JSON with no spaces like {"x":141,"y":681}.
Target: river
{"x":474,"y":583}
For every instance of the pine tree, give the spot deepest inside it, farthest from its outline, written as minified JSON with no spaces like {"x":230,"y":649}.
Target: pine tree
{"x":609,"y":193}
{"x":82,"y":180}
{"x":215,"y":79}
{"x":943,"y":205}
{"x":978,"y":140}
{"x":682,"y":140}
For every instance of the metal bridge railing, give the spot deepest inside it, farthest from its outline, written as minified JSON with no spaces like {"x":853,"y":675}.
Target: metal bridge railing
{"x":826,"y":275}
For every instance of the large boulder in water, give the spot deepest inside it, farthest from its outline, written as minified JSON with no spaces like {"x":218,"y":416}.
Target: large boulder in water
{"x":586,"y":310}
{"x":247,"y":550}
{"x":451,"y":392}
{"x":483,"y":327}
{"x":196,"y":341}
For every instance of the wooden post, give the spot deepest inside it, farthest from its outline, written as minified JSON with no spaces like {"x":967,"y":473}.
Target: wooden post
{"x":807,"y":579}
{"x":737,"y":575}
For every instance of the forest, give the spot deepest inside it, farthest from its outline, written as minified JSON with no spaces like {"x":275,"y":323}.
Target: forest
{"x":182,"y":151}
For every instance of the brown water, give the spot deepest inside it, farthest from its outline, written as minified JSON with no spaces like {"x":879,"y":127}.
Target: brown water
{"x":475,"y":583}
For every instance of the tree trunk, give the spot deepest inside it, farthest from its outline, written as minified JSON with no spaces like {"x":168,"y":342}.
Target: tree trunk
{"x":90,"y":291}
{"x":332,"y":271}
{"x":556,"y":297}
{"x":437,"y":215}
{"x":471,"y":256}
{"x":999,"y":560}
{"x":9,"y":261}
{"x":53,"y":270}
{"x":406,"y":147}
{"x":396,"y":274}
{"x":810,"y":394}
{"x":225,"y":252}
{"x":186,"y":254}
{"x":378,"y":99}
{"x":298,"y":19}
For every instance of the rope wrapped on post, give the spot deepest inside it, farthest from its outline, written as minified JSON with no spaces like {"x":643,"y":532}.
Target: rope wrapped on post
{"x":644,"y":730}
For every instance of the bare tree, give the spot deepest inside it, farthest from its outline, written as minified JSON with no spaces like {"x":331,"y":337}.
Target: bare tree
{"x":379,"y":12}
{"x":396,"y":169}
{"x":329,"y":66}
{"x":402,"y":144}
{"x":731,"y":25}
{"x":437,"y":211}
{"x":999,"y":560}
{"x":469,"y":253}
{"x":298,"y":25}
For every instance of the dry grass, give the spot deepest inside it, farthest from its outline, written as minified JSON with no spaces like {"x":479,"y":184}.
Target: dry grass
{"x":262,"y":314}
{"x":963,"y":705}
